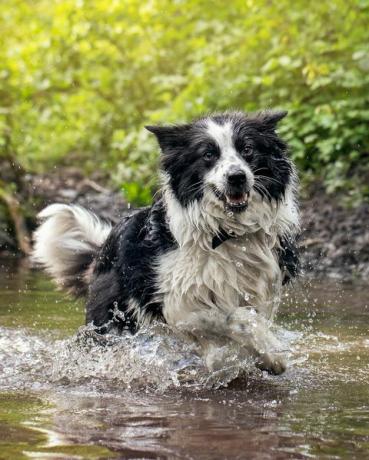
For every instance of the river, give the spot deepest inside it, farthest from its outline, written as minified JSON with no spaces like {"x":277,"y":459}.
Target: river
{"x":66,"y":393}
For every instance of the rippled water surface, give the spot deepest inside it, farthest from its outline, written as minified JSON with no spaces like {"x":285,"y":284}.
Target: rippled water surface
{"x":66,"y":393}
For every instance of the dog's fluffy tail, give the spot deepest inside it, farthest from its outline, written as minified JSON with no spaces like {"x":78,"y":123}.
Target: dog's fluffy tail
{"x":66,"y":243}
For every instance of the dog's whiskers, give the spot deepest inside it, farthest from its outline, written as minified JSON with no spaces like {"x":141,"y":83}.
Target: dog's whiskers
{"x":199,"y":186}
{"x":262,"y":189}
{"x":267,"y":178}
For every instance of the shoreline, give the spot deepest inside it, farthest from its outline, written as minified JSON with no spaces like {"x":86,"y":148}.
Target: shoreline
{"x":334,"y":241}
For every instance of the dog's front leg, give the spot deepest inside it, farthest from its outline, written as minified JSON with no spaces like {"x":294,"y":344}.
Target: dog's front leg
{"x":245,"y":327}
{"x":252,"y":330}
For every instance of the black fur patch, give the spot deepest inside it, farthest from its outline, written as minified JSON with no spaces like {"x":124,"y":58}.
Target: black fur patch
{"x":124,"y":269}
{"x":289,"y":261}
{"x":74,"y":280}
{"x":265,"y":153}
{"x":183,"y":160}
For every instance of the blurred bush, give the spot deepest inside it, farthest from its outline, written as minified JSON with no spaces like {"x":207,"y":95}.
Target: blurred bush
{"x":79,"y":79}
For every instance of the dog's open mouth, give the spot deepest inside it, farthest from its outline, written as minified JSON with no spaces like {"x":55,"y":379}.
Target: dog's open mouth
{"x":237,"y":202}
{"x":233,"y":202}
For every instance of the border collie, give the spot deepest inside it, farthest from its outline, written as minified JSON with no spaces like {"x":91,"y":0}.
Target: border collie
{"x":210,"y":254}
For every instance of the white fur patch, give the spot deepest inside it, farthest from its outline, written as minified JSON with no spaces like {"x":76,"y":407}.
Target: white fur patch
{"x":196,"y":281}
{"x":240,"y":272}
{"x":66,"y":232}
{"x":229,"y":157}
{"x":222,"y":134}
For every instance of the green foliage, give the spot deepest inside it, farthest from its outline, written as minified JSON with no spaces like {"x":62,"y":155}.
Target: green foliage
{"x":79,"y":80}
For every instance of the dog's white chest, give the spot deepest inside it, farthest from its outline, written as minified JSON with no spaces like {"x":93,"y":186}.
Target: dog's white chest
{"x":240,"y":272}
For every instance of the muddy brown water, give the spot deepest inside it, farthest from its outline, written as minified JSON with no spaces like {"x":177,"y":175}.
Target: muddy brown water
{"x":64,"y":395}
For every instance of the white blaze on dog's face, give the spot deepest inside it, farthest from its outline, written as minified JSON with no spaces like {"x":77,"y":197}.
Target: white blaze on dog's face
{"x":230,"y":177}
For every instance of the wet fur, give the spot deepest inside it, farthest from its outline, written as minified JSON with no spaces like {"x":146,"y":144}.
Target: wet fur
{"x":159,"y":263}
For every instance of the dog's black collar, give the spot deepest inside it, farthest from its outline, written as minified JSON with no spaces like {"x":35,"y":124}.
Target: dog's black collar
{"x":221,"y":237}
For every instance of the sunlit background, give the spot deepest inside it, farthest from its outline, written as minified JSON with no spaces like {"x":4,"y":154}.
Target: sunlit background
{"x":80,"y":79}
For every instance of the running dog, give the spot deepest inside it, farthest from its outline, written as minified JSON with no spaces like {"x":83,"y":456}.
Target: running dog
{"x":214,"y":249}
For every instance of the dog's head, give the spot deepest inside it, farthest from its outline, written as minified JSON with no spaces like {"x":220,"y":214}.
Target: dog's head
{"x":234,"y":156}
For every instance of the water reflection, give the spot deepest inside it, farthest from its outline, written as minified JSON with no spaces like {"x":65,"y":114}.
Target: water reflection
{"x":318,"y":409}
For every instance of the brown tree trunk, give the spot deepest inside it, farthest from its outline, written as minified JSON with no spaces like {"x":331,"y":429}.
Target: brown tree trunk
{"x":15,"y":212}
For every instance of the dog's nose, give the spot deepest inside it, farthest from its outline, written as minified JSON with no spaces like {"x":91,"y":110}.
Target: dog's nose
{"x":236,"y":177}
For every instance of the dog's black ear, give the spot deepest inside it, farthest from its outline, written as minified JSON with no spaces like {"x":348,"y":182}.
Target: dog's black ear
{"x":270,"y":118}
{"x":158,"y":130}
{"x":170,"y":137}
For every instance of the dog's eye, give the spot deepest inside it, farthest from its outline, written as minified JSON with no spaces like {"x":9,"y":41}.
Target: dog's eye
{"x":247,"y":152}
{"x":209,"y":154}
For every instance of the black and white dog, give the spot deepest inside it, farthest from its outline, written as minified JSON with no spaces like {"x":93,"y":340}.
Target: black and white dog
{"x":214,"y":249}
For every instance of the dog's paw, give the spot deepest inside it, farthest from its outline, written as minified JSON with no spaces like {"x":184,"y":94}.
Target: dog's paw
{"x":271,"y":363}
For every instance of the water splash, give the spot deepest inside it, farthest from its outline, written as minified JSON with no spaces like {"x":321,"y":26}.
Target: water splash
{"x":155,"y":358}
